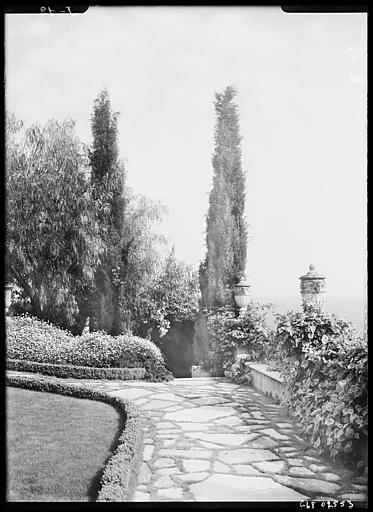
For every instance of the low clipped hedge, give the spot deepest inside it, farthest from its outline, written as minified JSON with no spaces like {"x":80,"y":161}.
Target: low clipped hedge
{"x":117,"y":472}
{"x":76,"y":372}
{"x":30,"y":339}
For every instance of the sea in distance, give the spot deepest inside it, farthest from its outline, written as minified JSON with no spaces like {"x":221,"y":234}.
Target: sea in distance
{"x":349,"y":308}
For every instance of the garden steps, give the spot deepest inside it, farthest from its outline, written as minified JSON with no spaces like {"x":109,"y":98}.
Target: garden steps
{"x":207,"y":439}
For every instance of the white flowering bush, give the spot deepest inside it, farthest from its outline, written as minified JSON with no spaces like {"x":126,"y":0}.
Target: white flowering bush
{"x":102,"y":350}
{"x":31,"y":339}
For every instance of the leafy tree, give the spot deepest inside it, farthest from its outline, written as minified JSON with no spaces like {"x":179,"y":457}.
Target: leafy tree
{"x":140,"y":253}
{"x":226,"y":229}
{"x":171,"y":296}
{"x":177,"y":288}
{"x":53,"y":240}
{"x":80,"y":243}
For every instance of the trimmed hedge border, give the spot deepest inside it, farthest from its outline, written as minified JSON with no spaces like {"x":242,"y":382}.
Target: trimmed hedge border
{"x":76,"y":372}
{"x":117,"y":472}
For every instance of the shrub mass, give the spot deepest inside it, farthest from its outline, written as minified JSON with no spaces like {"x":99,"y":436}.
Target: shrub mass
{"x":325,"y":367}
{"x":227,"y":332}
{"x":30,"y":339}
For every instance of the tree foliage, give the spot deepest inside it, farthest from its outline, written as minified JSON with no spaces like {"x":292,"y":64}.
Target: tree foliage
{"x":141,"y":252}
{"x":171,"y":295}
{"x":108,"y":192}
{"x":226,"y":229}
{"x":80,"y":243}
{"x":53,"y":239}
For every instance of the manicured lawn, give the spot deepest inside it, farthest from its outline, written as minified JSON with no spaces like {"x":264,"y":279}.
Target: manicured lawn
{"x":57,"y":446}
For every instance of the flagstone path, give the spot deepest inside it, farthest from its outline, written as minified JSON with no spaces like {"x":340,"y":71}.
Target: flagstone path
{"x":207,"y":439}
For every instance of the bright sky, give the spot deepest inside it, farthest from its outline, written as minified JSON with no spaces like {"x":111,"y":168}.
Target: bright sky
{"x":302,"y":87}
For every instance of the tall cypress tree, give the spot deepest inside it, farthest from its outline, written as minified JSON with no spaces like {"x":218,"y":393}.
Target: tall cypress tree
{"x":226,"y":229}
{"x":108,"y":180}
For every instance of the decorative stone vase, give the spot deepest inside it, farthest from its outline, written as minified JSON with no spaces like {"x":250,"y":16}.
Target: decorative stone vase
{"x":240,"y":351}
{"x":8,"y":297}
{"x":312,"y":287}
{"x":242,"y":295}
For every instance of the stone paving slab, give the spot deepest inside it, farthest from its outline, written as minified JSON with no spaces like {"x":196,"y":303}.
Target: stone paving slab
{"x":309,"y":485}
{"x":243,"y":488}
{"x":270,"y":467}
{"x":223,"y":439}
{"x":207,"y":439}
{"x":196,"y":465}
{"x":130,"y":394}
{"x":244,"y":469}
{"x":246,"y":455}
{"x":205,"y":413}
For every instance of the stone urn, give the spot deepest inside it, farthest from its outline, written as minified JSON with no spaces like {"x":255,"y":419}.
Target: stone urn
{"x":312,"y":287}
{"x":239,"y":352}
{"x":242,"y":295}
{"x":8,"y":297}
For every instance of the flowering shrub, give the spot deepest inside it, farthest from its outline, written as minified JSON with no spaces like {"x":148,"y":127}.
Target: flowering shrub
{"x":228,"y":332}
{"x":33,"y":340}
{"x":325,"y":370}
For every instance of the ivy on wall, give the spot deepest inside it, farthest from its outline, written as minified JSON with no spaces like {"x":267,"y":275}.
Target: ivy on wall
{"x":325,"y":367}
{"x":323,"y":360}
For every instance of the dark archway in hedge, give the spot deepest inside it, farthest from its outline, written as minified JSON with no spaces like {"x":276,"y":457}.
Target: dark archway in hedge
{"x":177,"y":347}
